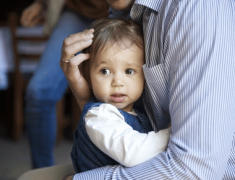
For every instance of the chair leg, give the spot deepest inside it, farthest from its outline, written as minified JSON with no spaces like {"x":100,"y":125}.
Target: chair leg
{"x":60,"y":116}
{"x":18,"y":119}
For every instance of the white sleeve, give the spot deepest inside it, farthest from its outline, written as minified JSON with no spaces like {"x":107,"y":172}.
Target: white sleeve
{"x":108,"y":130}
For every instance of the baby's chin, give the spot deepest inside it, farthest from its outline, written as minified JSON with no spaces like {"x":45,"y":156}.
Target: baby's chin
{"x":120,"y":105}
{"x":123,"y":107}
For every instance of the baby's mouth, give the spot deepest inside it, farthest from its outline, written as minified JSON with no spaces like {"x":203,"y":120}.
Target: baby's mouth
{"x":118,"y":97}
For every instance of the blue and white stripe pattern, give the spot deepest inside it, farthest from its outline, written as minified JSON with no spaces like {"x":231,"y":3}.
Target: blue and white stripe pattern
{"x":190,"y":72}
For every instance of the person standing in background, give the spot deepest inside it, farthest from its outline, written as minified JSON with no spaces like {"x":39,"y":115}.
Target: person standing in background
{"x":48,"y":84}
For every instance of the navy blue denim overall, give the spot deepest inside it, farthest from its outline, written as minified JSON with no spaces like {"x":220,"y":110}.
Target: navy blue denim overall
{"x":85,"y":155}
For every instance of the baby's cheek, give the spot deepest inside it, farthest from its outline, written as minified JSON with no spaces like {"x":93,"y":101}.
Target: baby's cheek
{"x":101,"y":95}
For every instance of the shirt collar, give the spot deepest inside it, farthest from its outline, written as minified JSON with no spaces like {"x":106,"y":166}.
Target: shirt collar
{"x":152,"y":4}
{"x":137,"y":10}
{"x":142,"y":7}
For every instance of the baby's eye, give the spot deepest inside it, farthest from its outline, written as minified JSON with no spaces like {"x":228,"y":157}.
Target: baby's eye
{"x":130,"y":71}
{"x":105,"y":71}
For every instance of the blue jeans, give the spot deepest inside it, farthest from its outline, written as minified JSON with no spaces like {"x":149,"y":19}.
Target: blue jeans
{"x":46,"y":87}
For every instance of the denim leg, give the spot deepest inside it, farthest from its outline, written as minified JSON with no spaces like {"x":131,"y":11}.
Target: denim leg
{"x":45,"y":88}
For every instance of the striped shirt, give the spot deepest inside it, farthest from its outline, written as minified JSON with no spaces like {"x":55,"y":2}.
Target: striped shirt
{"x":190,"y":71}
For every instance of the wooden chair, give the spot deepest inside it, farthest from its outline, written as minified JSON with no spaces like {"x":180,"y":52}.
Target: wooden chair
{"x":19,"y":85}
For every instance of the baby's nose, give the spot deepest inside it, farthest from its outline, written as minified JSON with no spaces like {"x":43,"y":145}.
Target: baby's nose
{"x":117,"y":81}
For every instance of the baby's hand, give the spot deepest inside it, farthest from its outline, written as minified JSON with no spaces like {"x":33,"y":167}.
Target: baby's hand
{"x":69,"y":64}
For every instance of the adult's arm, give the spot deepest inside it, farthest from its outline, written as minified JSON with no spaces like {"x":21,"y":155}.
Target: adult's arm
{"x":108,"y":130}
{"x":200,"y":53}
{"x":69,"y":63}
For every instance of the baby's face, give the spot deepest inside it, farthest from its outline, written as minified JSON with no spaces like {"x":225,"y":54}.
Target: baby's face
{"x":117,"y":76}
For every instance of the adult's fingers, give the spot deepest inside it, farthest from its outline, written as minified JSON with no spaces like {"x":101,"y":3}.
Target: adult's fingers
{"x":81,"y":36}
{"x":70,"y":68}
{"x":76,"y":61}
{"x":68,"y":51}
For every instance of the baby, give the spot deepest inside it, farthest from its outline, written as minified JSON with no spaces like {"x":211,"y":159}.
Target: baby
{"x":115,"y":77}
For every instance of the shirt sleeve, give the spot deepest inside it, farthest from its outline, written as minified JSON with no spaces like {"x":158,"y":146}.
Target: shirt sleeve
{"x":108,"y":130}
{"x":200,"y":54}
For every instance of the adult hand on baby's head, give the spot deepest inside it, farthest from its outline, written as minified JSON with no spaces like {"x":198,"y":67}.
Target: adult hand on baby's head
{"x":71,"y":45}
{"x":69,"y":64}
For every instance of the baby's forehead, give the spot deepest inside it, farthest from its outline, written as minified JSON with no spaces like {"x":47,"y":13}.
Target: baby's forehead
{"x":116,"y":47}
{"x":115,"y":53}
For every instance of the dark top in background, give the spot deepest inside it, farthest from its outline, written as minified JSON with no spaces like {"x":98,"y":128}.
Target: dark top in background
{"x":12,"y":5}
